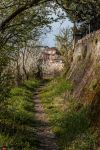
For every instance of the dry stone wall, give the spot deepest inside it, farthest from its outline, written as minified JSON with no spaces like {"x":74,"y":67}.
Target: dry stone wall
{"x":84,"y":73}
{"x":85,"y":67}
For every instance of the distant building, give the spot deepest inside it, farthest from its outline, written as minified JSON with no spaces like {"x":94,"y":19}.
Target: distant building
{"x":51,"y":62}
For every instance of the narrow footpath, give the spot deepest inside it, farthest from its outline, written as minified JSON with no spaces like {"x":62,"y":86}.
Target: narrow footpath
{"x":45,"y":135}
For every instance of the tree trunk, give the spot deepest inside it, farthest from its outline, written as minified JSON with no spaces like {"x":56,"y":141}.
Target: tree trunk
{"x":19,"y":78}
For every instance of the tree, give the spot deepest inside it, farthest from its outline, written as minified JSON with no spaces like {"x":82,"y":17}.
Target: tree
{"x":20,"y":21}
{"x":82,"y":13}
{"x":16,"y":8}
{"x":64,"y":42}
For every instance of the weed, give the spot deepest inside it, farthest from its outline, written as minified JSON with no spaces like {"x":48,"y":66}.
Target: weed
{"x":72,"y":124}
{"x":17,"y":124}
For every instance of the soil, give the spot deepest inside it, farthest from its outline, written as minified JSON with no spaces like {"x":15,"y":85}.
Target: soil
{"x":46,"y":138}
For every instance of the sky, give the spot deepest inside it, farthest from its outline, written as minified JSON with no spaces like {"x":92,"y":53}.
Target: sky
{"x":49,"y":39}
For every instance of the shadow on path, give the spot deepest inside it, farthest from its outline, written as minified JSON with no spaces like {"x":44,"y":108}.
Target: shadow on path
{"x":45,"y":135}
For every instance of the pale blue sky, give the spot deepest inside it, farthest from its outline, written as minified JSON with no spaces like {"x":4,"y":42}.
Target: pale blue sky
{"x":49,"y":39}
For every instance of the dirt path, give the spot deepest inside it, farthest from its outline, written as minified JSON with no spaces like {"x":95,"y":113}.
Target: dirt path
{"x":45,"y":135}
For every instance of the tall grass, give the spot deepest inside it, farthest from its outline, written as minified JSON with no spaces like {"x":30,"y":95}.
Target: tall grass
{"x":17,"y":124}
{"x":68,"y":117}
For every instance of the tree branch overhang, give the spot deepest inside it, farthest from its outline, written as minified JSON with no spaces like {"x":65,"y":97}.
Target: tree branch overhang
{"x":28,"y":5}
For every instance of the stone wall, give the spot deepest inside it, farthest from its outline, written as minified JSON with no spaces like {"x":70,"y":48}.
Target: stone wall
{"x":84,"y":72}
{"x":85,"y":68}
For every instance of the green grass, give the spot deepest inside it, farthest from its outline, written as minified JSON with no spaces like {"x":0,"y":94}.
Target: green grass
{"x":56,"y":87}
{"x":17,"y":124}
{"x":68,"y":117}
